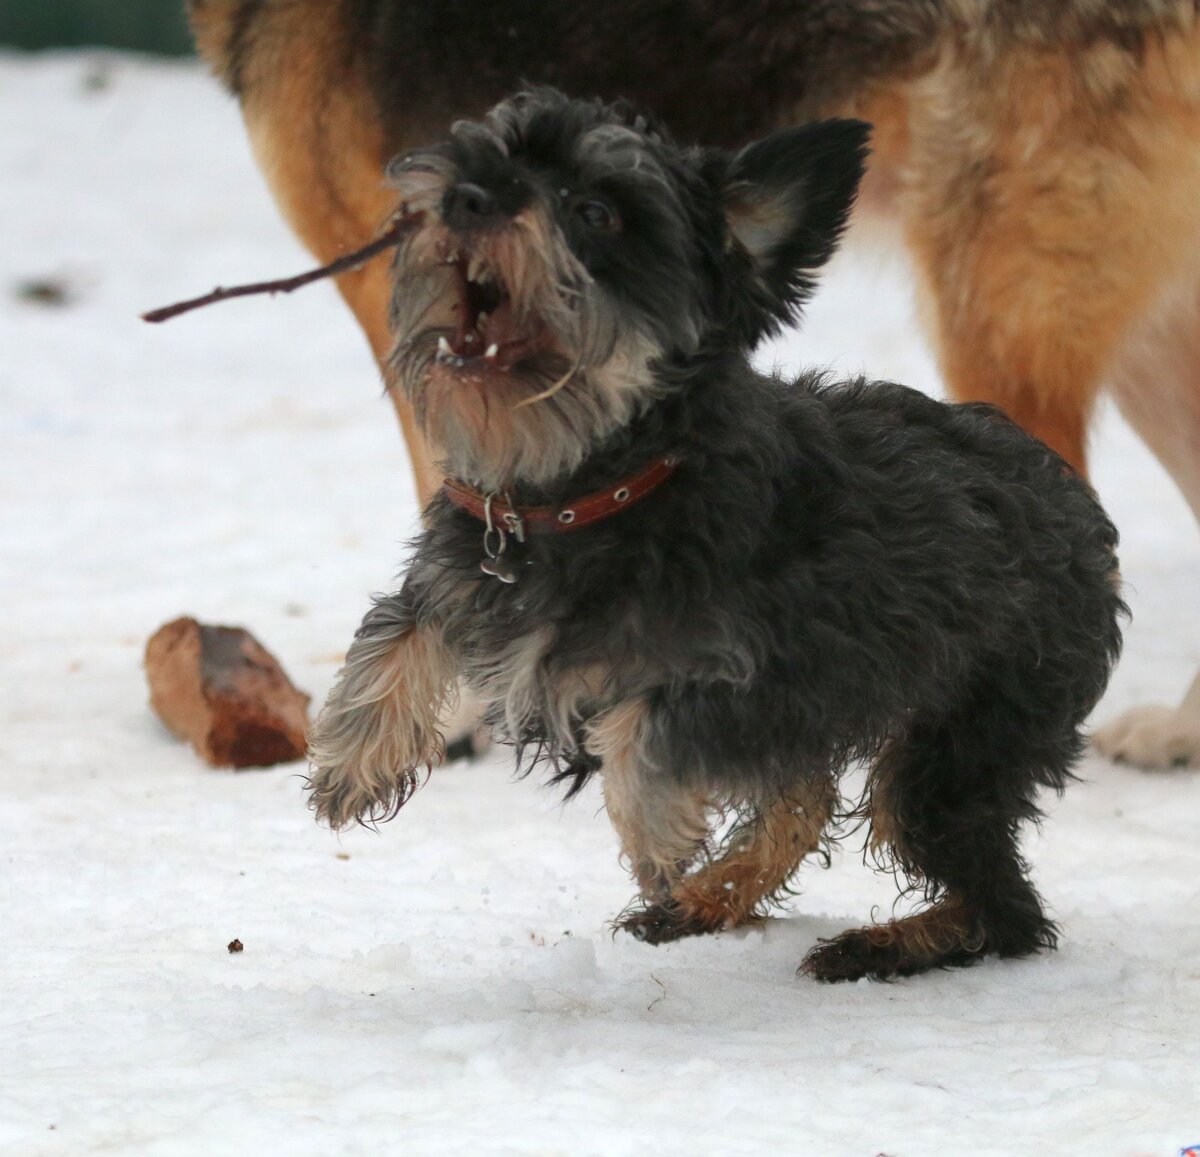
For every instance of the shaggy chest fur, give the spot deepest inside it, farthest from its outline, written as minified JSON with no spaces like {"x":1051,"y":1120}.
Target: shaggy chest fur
{"x":825,"y":564}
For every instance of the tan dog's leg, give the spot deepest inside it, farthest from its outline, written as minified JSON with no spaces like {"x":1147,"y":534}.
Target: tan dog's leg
{"x":1046,"y":198}
{"x":379,"y":726}
{"x":318,"y":138}
{"x":1157,"y":385}
{"x":1011,"y":329}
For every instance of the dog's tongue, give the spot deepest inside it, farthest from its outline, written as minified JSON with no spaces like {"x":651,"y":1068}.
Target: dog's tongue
{"x":499,"y":326}
{"x":500,"y":329}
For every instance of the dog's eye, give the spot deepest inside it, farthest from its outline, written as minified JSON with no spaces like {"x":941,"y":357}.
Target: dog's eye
{"x":597,"y":215}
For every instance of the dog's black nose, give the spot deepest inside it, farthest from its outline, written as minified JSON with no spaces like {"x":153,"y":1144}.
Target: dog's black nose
{"x":469,"y":206}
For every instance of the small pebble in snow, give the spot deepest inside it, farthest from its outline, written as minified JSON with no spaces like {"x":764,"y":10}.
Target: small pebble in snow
{"x":235,"y":946}
{"x":343,"y":855}
{"x":49,"y":291}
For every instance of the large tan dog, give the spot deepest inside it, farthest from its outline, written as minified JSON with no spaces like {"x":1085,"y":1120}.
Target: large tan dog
{"x":1042,"y":159}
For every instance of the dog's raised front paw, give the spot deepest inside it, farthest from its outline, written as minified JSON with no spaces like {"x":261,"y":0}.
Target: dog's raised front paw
{"x":342,"y":796}
{"x":1152,"y":737}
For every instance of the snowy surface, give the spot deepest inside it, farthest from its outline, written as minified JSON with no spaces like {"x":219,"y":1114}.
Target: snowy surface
{"x":448,"y":985}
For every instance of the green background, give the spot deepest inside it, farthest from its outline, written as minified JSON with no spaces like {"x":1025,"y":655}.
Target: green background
{"x":146,"y":25}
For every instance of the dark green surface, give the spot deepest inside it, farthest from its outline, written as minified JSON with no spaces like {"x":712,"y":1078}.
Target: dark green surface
{"x":146,"y":25}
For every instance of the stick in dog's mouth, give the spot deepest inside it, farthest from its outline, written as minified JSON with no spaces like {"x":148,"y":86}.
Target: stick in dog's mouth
{"x":398,"y":227}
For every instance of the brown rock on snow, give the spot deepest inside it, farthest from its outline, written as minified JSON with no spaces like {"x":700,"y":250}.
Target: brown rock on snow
{"x":222,"y":691}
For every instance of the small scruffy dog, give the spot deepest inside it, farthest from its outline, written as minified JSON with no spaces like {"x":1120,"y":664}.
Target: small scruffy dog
{"x":714,"y":587}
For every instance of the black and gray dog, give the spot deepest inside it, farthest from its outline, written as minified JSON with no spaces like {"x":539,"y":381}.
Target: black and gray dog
{"x":714,"y":587}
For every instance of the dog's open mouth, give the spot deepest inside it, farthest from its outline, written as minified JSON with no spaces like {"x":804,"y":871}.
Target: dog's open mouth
{"x":488,"y":331}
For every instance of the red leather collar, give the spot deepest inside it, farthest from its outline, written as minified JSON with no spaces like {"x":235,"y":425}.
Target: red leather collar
{"x":574,"y":515}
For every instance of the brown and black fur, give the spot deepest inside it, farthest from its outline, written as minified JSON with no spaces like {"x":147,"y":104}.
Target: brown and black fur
{"x":1041,"y":160}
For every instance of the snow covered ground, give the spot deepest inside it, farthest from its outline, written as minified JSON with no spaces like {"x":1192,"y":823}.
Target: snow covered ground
{"x":448,"y":985}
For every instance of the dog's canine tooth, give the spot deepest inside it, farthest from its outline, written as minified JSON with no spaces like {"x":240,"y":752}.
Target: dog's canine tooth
{"x":443,"y":349}
{"x":492,"y":351}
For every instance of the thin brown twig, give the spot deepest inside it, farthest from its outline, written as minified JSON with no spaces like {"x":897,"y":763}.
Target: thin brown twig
{"x":391,"y":237}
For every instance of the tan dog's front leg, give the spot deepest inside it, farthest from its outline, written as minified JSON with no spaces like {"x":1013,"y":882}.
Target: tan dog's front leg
{"x":379,"y":726}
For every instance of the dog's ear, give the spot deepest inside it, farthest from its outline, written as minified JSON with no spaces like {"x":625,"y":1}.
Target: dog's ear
{"x":787,"y":198}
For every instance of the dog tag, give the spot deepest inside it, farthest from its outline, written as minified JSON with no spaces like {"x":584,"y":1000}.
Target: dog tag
{"x":501,"y":568}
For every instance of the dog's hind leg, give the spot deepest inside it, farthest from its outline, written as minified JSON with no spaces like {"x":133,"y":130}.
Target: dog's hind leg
{"x":948,"y":799}
{"x":761,"y":854}
{"x":1157,"y":385}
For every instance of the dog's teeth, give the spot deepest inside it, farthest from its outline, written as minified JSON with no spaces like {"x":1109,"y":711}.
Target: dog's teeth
{"x":483,"y":316}
{"x":492,"y":350}
{"x":444,"y":351}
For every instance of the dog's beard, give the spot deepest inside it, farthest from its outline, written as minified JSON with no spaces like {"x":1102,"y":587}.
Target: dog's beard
{"x":515,"y":361}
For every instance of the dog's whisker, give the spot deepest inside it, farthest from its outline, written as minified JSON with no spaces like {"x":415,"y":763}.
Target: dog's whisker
{"x":550,"y":391}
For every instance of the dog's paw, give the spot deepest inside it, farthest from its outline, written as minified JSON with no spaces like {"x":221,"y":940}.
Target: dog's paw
{"x":342,"y":796}
{"x":663,"y":922}
{"x":898,"y":948}
{"x":1152,"y":737}
{"x":851,"y":956}
{"x":855,"y":955}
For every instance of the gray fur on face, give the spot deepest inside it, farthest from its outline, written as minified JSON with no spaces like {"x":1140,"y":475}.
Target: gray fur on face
{"x":592,"y":371}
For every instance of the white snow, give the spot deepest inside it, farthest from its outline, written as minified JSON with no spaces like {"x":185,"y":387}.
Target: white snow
{"x":448,"y":985}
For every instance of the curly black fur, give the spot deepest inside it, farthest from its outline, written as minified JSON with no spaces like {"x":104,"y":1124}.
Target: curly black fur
{"x":836,"y":571}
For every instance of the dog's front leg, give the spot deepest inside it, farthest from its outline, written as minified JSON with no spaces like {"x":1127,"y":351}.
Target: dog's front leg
{"x":379,"y":726}
{"x":661,"y":824}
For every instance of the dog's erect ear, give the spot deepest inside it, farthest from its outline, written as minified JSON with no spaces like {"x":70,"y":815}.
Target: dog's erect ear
{"x":787,"y":198}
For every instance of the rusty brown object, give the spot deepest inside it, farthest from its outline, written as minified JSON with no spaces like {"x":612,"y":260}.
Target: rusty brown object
{"x":223,"y":692}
